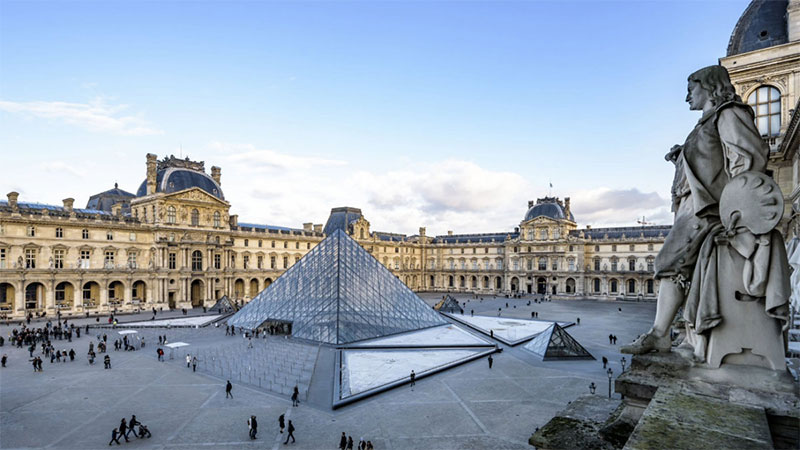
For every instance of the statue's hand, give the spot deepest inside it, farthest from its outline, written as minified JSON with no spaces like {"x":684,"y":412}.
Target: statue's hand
{"x":673,"y":153}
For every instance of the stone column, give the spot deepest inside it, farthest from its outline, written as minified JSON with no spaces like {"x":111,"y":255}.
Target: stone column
{"x":19,"y":298}
{"x":51,"y":297}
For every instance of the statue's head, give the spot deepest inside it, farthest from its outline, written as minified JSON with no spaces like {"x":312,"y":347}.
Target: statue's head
{"x":715,"y":85}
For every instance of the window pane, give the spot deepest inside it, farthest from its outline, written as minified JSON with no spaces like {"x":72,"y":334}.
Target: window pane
{"x":762,"y":126}
{"x":751,"y":100}
{"x":774,"y":94}
{"x":775,"y":124}
{"x":762,"y":109}
{"x":775,"y":107}
{"x":763,"y":93}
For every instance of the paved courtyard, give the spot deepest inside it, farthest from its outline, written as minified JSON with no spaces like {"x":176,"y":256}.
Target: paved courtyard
{"x":74,"y":406}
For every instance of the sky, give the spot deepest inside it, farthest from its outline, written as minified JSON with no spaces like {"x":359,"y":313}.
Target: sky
{"x":450,"y":115}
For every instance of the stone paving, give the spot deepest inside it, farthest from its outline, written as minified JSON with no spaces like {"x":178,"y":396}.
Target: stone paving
{"x":74,"y":406}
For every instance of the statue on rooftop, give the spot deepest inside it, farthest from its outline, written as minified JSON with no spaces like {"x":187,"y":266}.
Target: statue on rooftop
{"x":723,"y":261}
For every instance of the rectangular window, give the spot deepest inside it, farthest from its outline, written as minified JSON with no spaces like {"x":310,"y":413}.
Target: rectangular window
{"x":246,"y":242}
{"x":2,"y":229}
{"x":260,"y":262}
{"x":650,"y":266}
{"x":516,"y":265}
{"x":171,"y":258}
{"x":571,"y":264}
{"x":246,"y":260}
{"x":285,"y":262}
{"x":217,"y":261}
{"x":542,"y":264}
{"x":554,"y":264}
{"x":85,"y":234}
{"x":58,"y":258}
{"x":109,"y":236}
{"x":296,"y":245}
{"x":272,"y":244}
{"x":132,"y":237}
{"x":613,"y":265}
{"x":109,"y":258}
{"x":2,"y":258}
{"x":499,"y":264}
{"x":260,"y":242}
{"x":31,"y":231}
{"x":131,"y":260}
{"x":272,"y":261}
{"x":285,"y":244}
{"x":85,"y":258}
{"x":597,"y":264}
{"x":614,"y":248}
{"x":59,"y":233}
{"x":30,"y":258}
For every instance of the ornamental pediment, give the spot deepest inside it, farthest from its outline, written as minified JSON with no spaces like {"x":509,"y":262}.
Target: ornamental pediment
{"x":541,"y":220}
{"x":195,"y":195}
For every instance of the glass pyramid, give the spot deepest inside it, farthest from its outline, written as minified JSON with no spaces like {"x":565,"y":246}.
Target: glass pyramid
{"x":449,"y":304}
{"x":336,"y":294}
{"x":224,"y":305}
{"x":556,"y":343}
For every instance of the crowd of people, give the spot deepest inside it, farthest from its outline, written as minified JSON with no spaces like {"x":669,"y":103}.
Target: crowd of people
{"x":346,"y":443}
{"x":133,"y":427}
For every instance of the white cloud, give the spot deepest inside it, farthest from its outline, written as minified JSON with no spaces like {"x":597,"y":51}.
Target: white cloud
{"x":619,"y":207}
{"x":61,"y":167}
{"x":95,"y":116}
{"x":255,"y":159}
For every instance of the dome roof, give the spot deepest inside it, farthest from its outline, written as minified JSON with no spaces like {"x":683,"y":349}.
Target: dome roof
{"x":549,"y":207}
{"x":763,"y":24}
{"x":104,"y":200}
{"x":174,"y":179}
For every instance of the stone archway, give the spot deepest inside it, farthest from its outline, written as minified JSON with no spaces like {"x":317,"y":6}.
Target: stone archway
{"x":541,"y":285}
{"x":34,"y":296}
{"x":7,"y":297}
{"x":197,"y":294}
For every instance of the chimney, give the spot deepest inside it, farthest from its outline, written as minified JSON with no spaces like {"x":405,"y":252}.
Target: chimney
{"x":793,"y":20}
{"x":152,"y":162}
{"x":588,"y":227}
{"x":530,"y":203}
{"x":216,"y":174}
{"x":234,"y":220}
{"x":116,"y":209}
{"x":12,"y":200}
{"x":449,"y":232}
{"x":422,"y":231}
{"x":318,"y":228}
{"x":566,"y":207}
{"x":68,"y":203}
{"x":308,"y":226}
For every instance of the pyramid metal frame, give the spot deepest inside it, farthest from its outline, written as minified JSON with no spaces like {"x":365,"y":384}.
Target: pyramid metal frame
{"x":226,"y":303}
{"x":555,"y":343}
{"x":449,"y":304}
{"x":336,"y":294}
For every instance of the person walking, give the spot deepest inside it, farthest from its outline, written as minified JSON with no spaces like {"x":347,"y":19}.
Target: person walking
{"x":291,"y":433}
{"x":132,"y":423}
{"x":281,"y":422}
{"x":228,"y":387}
{"x":413,"y":377}
{"x":114,"y":437}
{"x":491,"y":360}
{"x":343,"y":442}
{"x":4,"y":359}
{"x":188,"y":360}
{"x":605,"y":362}
{"x":194,"y":364}
{"x":349,"y":443}
{"x":123,"y":430}
{"x":253,"y":424}
{"x":107,"y":362}
{"x":295,"y":394}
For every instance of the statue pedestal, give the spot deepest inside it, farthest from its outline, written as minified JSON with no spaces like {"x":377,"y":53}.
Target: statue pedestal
{"x":676,"y":398}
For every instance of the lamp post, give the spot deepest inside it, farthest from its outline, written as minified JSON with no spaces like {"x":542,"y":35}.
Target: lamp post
{"x":610,"y":373}
{"x":592,"y":387}
{"x":623,"y":363}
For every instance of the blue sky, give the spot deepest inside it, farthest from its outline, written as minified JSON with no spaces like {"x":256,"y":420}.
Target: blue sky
{"x":449,"y":115}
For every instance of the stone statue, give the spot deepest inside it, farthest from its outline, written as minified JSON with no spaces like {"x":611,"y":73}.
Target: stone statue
{"x":722,"y":261}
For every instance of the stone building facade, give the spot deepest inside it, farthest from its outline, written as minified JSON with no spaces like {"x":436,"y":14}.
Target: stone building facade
{"x":174,"y":244}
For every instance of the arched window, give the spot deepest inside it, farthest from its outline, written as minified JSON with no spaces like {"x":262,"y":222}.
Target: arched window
{"x":613,"y":286}
{"x":195,"y":217}
{"x":197,"y":260}
{"x":596,"y":285}
{"x":361,"y":233}
{"x":766,"y":102}
{"x":216,"y":219}
{"x":171,"y":214}
{"x":631,"y":286}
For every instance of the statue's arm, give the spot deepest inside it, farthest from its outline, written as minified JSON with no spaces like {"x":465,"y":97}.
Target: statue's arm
{"x":743,"y":146}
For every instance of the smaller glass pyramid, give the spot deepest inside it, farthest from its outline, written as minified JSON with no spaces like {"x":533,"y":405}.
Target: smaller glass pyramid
{"x":449,"y":304}
{"x":556,"y":343}
{"x":338,"y":293}
{"x":224,"y":305}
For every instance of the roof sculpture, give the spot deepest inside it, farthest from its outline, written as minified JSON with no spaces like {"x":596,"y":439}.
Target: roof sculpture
{"x":556,"y":343}
{"x":338,"y":293}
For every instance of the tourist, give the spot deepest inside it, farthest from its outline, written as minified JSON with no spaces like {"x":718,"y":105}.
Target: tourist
{"x":605,"y":362}
{"x":361,"y":443}
{"x":369,"y":446}
{"x":291,"y":433}
{"x":123,"y":429}
{"x":610,"y":339}
{"x":228,"y":388}
{"x":281,"y":422}
{"x":349,"y":443}
{"x":132,"y":423}
{"x":343,"y":442}
{"x":491,"y":360}
{"x":35,"y":364}
{"x":413,"y":377}
{"x":251,"y":422}
{"x":295,"y":394}
{"x":107,"y":362}
{"x":579,"y":320}
{"x":3,"y":360}
{"x":72,"y":354}
{"x":114,"y":437}
{"x":188,"y":360}
{"x":615,"y":339}
{"x":194,"y":364}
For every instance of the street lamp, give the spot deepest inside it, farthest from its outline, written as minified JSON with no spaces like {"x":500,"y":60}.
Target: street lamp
{"x":610,"y":373}
{"x":623,"y":363}
{"x":592,"y":388}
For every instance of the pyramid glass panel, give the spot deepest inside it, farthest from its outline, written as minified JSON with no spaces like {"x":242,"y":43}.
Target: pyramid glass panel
{"x":556,"y":343}
{"x":338,"y":293}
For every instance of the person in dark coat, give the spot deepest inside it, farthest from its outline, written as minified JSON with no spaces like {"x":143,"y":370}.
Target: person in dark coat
{"x":281,"y":422}
{"x":605,"y":362}
{"x":413,"y":377}
{"x":114,"y":437}
{"x":253,"y":427}
{"x":132,"y":423}
{"x":228,"y":388}
{"x":491,"y":360}
{"x":123,"y":429}
{"x":350,"y":443}
{"x":291,"y":433}
{"x":343,"y":442}
{"x":295,"y":394}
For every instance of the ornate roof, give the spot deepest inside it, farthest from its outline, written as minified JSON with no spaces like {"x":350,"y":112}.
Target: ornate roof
{"x":173,"y":179}
{"x":104,"y":200}
{"x":763,"y":24}
{"x":551,"y":207}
